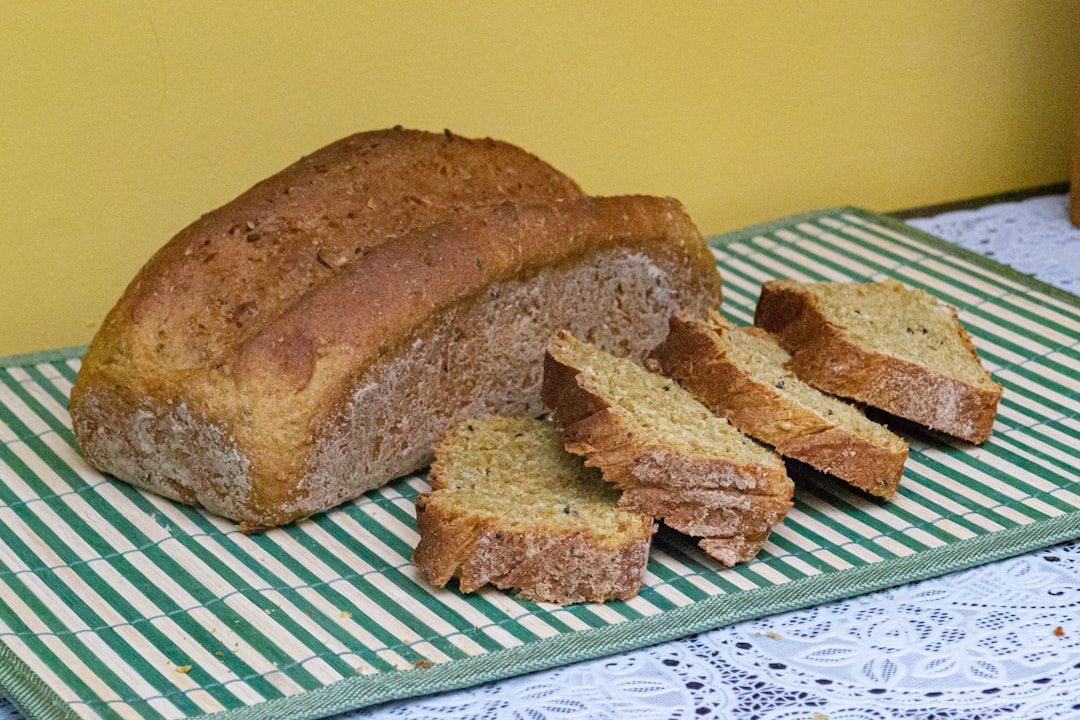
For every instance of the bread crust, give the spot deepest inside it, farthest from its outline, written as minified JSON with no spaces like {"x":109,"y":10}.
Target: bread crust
{"x":560,"y":563}
{"x":694,"y":354}
{"x":731,"y":507}
{"x":220,"y":376}
{"x":539,"y":566}
{"x":824,"y":355}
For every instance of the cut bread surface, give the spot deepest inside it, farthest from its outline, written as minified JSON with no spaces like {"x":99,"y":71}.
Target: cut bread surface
{"x":909,"y":324}
{"x":510,"y":507}
{"x":671,"y":457}
{"x":897,"y":349}
{"x":740,"y":374}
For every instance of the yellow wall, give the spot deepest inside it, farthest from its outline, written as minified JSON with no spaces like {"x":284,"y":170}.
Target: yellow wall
{"x":120,"y":122}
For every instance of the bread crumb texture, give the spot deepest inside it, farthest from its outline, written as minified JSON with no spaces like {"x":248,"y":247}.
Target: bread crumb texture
{"x":510,"y":507}
{"x":671,"y":456}
{"x":891,"y":347}
{"x":741,"y":374}
{"x":907,"y":323}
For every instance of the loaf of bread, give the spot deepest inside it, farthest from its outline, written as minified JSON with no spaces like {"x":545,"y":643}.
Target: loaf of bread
{"x":671,"y":457}
{"x":309,"y":340}
{"x":510,"y":507}
{"x":740,"y":374}
{"x":897,"y":349}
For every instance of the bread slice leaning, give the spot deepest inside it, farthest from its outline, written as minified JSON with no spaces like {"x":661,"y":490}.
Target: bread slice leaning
{"x":740,"y":374}
{"x":510,"y":507}
{"x":309,"y":340}
{"x":894,"y":348}
{"x":671,"y":457}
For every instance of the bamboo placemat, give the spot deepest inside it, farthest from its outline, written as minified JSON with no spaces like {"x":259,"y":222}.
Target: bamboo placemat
{"x":118,"y":603}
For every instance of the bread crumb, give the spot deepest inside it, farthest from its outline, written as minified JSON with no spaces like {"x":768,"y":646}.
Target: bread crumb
{"x":1059,"y":631}
{"x":422,"y":664}
{"x":183,"y":669}
{"x":346,"y":614}
{"x":773,"y":635}
{"x":820,"y":716}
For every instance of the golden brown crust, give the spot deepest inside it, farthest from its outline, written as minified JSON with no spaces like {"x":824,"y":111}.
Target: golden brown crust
{"x":825,"y":356}
{"x":695,"y":355}
{"x":869,"y":466}
{"x":539,"y":566}
{"x":233,"y":270}
{"x":403,"y":282}
{"x":237,"y":351}
{"x":544,"y":561}
{"x":731,"y":506}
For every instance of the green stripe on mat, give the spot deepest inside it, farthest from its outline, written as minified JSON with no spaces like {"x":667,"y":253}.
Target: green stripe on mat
{"x":328,"y":615}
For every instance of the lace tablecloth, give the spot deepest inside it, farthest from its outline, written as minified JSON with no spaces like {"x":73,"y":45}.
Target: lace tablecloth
{"x":999,"y":640}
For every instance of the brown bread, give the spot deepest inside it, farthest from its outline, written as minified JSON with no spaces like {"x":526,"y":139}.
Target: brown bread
{"x":510,"y":507}
{"x":672,"y":458}
{"x":897,"y":349}
{"x":310,"y":340}
{"x":740,"y":374}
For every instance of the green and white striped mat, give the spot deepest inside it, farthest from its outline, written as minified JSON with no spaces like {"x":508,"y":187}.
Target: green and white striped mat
{"x":117,"y":603}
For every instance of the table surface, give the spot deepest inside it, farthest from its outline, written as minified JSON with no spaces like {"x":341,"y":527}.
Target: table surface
{"x":999,"y":640}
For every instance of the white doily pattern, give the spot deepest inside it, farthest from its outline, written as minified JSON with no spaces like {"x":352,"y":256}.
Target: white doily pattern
{"x":1033,"y":236}
{"x":984,"y":643}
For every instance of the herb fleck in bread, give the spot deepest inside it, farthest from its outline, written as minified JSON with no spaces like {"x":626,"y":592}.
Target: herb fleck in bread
{"x":671,"y":457}
{"x":510,"y":507}
{"x":740,"y":374}
{"x":897,"y":349}
{"x":311,"y":339}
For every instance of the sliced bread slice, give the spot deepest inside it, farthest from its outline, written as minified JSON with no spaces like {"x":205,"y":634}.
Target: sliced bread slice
{"x":891,"y":347}
{"x":671,"y":457}
{"x":510,"y":507}
{"x":739,"y":373}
